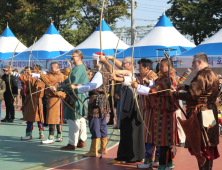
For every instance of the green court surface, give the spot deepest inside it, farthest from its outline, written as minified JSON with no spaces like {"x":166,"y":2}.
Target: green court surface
{"x":16,"y":154}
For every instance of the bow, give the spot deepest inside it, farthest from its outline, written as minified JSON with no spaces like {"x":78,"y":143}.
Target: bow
{"x":134,"y":90}
{"x":177,"y":103}
{"x":48,"y":84}
{"x":30,"y":90}
{"x":10,"y":67}
{"x":73,"y":91}
{"x":113,"y":82}
{"x":101,"y":50}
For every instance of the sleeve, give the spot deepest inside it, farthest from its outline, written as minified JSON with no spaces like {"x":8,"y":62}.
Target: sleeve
{"x":73,"y":78}
{"x":196,"y":88}
{"x":127,"y":80}
{"x":3,"y":87}
{"x":96,"y":82}
{"x":144,"y":90}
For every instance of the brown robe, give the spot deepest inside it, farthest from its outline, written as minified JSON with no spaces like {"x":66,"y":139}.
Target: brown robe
{"x":54,"y":105}
{"x":33,"y":112}
{"x":203,"y":90}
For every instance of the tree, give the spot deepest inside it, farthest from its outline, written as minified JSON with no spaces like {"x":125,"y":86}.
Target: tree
{"x":198,"y":18}
{"x":74,"y":19}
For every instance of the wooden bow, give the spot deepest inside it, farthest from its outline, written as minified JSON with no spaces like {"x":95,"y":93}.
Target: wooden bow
{"x":134,"y":90}
{"x":171,"y":84}
{"x":101,"y":50}
{"x":29,"y":81}
{"x":113,"y":82}
{"x":10,"y":67}
{"x":48,"y":84}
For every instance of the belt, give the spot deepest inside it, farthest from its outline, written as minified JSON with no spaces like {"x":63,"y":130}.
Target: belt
{"x":199,"y":105}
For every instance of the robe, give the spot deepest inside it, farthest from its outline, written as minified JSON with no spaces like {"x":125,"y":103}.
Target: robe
{"x":33,"y":112}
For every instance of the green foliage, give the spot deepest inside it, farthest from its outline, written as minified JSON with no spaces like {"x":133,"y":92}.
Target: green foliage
{"x":198,"y":18}
{"x":74,"y":19}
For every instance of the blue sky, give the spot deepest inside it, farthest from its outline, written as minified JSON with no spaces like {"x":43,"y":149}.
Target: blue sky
{"x":146,"y":13}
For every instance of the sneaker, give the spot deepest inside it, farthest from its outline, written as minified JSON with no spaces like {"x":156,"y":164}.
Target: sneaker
{"x":4,"y":120}
{"x":26,"y":138}
{"x":58,"y":139}
{"x":163,"y":168}
{"x":155,"y":164}
{"x":170,"y":165}
{"x":48,"y":141}
{"x":41,"y":136}
{"x":143,"y":166}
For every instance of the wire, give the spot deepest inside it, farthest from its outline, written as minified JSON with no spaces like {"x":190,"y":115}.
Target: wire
{"x":152,"y":5}
{"x":150,"y":8}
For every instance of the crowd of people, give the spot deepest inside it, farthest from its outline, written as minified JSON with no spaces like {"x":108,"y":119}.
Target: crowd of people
{"x":147,"y":107}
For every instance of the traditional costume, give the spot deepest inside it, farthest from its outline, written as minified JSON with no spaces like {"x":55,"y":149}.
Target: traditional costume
{"x":131,"y":147}
{"x":98,"y":109}
{"x":76,"y":122}
{"x":202,"y":139}
{"x":148,"y":118}
{"x":33,"y":112}
{"x":54,"y":107}
{"x":164,"y":107}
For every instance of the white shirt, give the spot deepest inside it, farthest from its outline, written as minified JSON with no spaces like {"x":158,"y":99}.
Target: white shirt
{"x":143,"y":89}
{"x":95,"y":83}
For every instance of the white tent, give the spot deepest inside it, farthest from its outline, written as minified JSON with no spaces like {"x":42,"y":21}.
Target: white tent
{"x":8,"y":43}
{"x":163,"y":36}
{"x":92,"y":43}
{"x":50,"y":45}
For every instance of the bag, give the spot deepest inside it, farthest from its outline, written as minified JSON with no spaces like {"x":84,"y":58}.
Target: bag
{"x":96,"y":100}
{"x":208,"y":118}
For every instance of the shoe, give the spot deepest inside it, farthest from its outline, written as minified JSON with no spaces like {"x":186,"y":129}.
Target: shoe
{"x":26,"y":138}
{"x":81,"y":144}
{"x":170,"y":165}
{"x":24,"y":122}
{"x":163,"y":168}
{"x":155,"y":164}
{"x":68,"y":147}
{"x":41,"y":136}
{"x":48,"y":141}
{"x":115,"y":162}
{"x":11,"y":120}
{"x":103,"y":145}
{"x":143,"y":166}
{"x":181,"y":145}
{"x":57,"y":139}
{"x":93,"y":152}
{"x":4,"y":120}
{"x":110,"y":123}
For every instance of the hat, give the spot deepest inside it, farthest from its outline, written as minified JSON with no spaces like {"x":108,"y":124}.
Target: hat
{"x":6,"y":67}
{"x":97,"y":56}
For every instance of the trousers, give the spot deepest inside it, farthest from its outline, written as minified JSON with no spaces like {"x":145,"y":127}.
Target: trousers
{"x":98,"y":127}
{"x":77,"y":129}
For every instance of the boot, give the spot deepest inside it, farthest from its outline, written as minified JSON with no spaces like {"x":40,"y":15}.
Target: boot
{"x":103,"y":145}
{"x":192,"y":131}
{"x":93,"y":148}
{"x":206,"y":166}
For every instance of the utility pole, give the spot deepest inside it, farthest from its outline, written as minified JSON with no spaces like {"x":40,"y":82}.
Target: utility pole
{"x":132,"y":23}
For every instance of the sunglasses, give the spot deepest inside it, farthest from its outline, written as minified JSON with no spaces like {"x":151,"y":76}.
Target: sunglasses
{"x":5,"y":70}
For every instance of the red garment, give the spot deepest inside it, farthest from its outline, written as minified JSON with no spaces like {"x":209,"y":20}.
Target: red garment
{"x":208,"y":152}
